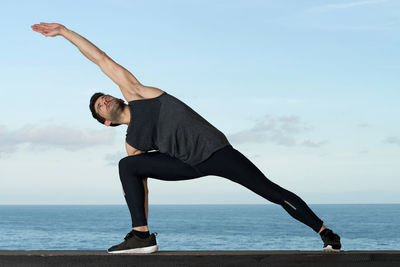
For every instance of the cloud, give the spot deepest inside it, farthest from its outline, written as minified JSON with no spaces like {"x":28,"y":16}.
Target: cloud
{"x":309,"y":143}
{"x":347,"y":5}
{"x":7,"y":143}
{"x":280,"y":130}
{"x":392,"y":140}
{"x":52,"y":136}
{"x":112,"y":159}
{"x":363,"y":125}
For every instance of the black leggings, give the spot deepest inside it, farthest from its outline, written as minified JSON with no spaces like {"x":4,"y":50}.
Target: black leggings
{"x":226,"y":162}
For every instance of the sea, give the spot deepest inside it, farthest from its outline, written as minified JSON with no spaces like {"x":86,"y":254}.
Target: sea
{"x":198,"y":227}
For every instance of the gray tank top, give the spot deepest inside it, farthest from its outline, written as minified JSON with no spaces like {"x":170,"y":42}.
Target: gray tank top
{"x":167,"y":124}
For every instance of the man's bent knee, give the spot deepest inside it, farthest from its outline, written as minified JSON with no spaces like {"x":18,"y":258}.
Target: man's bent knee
{"x":126,"y":163}
{"x":123,"y":163}
{"x":129,"y":163}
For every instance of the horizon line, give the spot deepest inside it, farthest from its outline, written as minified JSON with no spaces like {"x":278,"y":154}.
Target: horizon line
{"x":199,"y":204}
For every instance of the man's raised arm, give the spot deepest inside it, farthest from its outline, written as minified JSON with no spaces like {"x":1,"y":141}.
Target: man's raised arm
{"x":128,"y":83}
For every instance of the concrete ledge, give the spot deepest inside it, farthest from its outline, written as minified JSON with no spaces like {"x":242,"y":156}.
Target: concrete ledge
{"x":199,"y":258}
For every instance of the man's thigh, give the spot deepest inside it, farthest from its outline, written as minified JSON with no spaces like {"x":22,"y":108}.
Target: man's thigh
{"x":161,"y":166}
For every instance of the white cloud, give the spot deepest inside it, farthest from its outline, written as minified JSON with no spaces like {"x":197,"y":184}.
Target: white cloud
{"x":112,"y":159}
{"x":280,"y":130}
{"x":392,"y":140}
{"x":310,"y":143}
{"x":52,"y":136}
{"x":7,"y":143}
{"x":364,"y":125}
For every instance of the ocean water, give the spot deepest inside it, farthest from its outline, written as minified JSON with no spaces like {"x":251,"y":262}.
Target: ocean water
{"x":197,"y":227}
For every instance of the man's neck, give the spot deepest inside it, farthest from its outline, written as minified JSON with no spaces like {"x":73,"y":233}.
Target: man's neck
{"x":125,"y":117}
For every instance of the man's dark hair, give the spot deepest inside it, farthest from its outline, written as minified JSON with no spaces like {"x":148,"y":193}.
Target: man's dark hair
{"x":95,"y":115}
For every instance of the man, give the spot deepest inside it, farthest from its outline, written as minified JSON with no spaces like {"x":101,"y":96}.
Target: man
{"x":186,"y":147}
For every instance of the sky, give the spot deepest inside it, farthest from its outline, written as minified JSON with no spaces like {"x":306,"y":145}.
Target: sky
{"x":307,"y":90}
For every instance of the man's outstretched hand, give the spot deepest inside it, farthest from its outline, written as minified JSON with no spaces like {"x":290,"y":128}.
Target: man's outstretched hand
{"x":48,"y":29}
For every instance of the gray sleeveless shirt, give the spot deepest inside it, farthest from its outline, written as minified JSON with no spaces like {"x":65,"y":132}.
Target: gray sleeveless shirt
{"x":167,"y":124}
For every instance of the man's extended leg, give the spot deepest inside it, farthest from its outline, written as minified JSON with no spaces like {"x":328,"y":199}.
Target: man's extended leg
{"x":233,"y":165}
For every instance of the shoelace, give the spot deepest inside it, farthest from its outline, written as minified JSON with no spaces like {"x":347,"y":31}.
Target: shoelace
{"x":129,"y":235}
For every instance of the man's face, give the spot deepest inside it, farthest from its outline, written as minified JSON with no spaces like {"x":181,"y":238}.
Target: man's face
{"x":109,"y":107}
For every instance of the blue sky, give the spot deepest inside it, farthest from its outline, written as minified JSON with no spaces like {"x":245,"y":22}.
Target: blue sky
{"x":307,"y":90}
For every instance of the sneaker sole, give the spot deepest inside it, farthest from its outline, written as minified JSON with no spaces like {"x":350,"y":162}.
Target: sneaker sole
{"x":329,"y":248}
{"x":137,"y":250}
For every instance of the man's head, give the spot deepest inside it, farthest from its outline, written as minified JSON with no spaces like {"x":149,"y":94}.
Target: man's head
{"x":106,"y":109}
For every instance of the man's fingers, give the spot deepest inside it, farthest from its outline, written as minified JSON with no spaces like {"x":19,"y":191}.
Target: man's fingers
{"x":36,"y":29}
{"x":44,"y":28}
{"x":40,"y":31}
{"x":48,"y":27}
{"x":47,"y":24}
{"x":39,"y":27}
{"x":44,"y":25}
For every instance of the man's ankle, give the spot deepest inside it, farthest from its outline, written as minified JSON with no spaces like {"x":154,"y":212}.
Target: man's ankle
{"x":141,"y":234}
{"x":141,"y":228}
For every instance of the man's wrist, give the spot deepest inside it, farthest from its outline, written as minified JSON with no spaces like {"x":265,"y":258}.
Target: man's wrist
{"x":64,"y":31}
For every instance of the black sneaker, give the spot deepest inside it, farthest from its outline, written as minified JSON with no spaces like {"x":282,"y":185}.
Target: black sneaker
{"x":331,"y":241}
{"x":135,"y":244}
